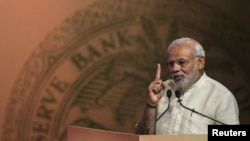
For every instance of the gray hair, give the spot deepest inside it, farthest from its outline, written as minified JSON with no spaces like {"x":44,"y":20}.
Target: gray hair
{"x":199,"y":51}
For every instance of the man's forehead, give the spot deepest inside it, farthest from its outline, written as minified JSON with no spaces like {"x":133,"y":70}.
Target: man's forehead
{"x":181,"y":50}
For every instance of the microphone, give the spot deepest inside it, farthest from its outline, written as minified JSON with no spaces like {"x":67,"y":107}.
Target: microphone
{"x":178,"y":94}
{"x":169,"y":94}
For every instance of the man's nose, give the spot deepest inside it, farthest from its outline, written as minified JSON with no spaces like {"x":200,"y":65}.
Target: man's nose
{"x":175,"y":67}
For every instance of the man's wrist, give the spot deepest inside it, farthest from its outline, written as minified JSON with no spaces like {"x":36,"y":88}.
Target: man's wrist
{"x":150,"y":105}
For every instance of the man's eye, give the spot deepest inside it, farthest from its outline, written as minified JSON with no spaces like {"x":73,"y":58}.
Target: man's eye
{"x":178,"y":62}
{"x":181,"y":62}
{"x":171,"y":63}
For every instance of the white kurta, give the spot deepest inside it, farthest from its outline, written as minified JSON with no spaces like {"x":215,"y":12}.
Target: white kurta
{"x":206,"y":96}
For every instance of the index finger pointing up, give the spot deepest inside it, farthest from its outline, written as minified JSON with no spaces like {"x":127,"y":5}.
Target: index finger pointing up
{"x":158,"y":72}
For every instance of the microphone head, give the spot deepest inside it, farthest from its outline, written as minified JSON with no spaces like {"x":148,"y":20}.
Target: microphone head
{"x":178,"y":94}
{"x":169,"y":93}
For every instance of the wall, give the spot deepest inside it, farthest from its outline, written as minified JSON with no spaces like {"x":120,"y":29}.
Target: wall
{"x":88,"y":63}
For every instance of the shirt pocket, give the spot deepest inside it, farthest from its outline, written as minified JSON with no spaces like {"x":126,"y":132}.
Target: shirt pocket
{"x":201,"y":119}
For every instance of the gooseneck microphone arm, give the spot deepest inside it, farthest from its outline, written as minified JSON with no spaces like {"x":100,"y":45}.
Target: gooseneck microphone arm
{"x":169,"y":94}
{"x":178,"y":94}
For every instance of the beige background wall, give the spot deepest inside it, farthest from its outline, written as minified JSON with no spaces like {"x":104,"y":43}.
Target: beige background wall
{"x":27,"y":25}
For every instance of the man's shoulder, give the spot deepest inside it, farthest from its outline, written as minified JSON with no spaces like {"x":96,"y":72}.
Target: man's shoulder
{"x":216,"y":85}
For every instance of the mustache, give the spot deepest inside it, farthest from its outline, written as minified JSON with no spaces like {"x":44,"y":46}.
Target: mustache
{"x":178,"y":74}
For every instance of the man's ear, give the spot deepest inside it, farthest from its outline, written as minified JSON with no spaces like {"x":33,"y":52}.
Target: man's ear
{"x":201,"y":62}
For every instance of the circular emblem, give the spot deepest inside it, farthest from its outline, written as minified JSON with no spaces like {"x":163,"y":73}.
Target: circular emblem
{"x":93,"y":70}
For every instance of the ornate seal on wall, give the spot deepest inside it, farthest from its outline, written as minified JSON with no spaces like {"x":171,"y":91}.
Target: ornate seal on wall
{"x":93,"y":70}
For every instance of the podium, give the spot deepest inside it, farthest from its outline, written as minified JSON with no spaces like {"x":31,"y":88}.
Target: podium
{"x":75,"y":133}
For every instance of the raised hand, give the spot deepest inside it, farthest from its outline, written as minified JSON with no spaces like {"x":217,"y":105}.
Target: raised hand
{"x":156,"y":88}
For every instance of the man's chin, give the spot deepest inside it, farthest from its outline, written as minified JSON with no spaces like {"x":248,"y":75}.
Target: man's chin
{"x":178,"y":84}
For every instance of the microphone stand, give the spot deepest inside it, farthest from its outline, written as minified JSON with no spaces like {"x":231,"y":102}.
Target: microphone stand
{"x":179,"y":100}
{"x":169,"y":94}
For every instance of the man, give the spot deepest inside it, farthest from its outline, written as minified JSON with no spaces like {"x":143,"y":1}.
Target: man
{"x":164,"y":114}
